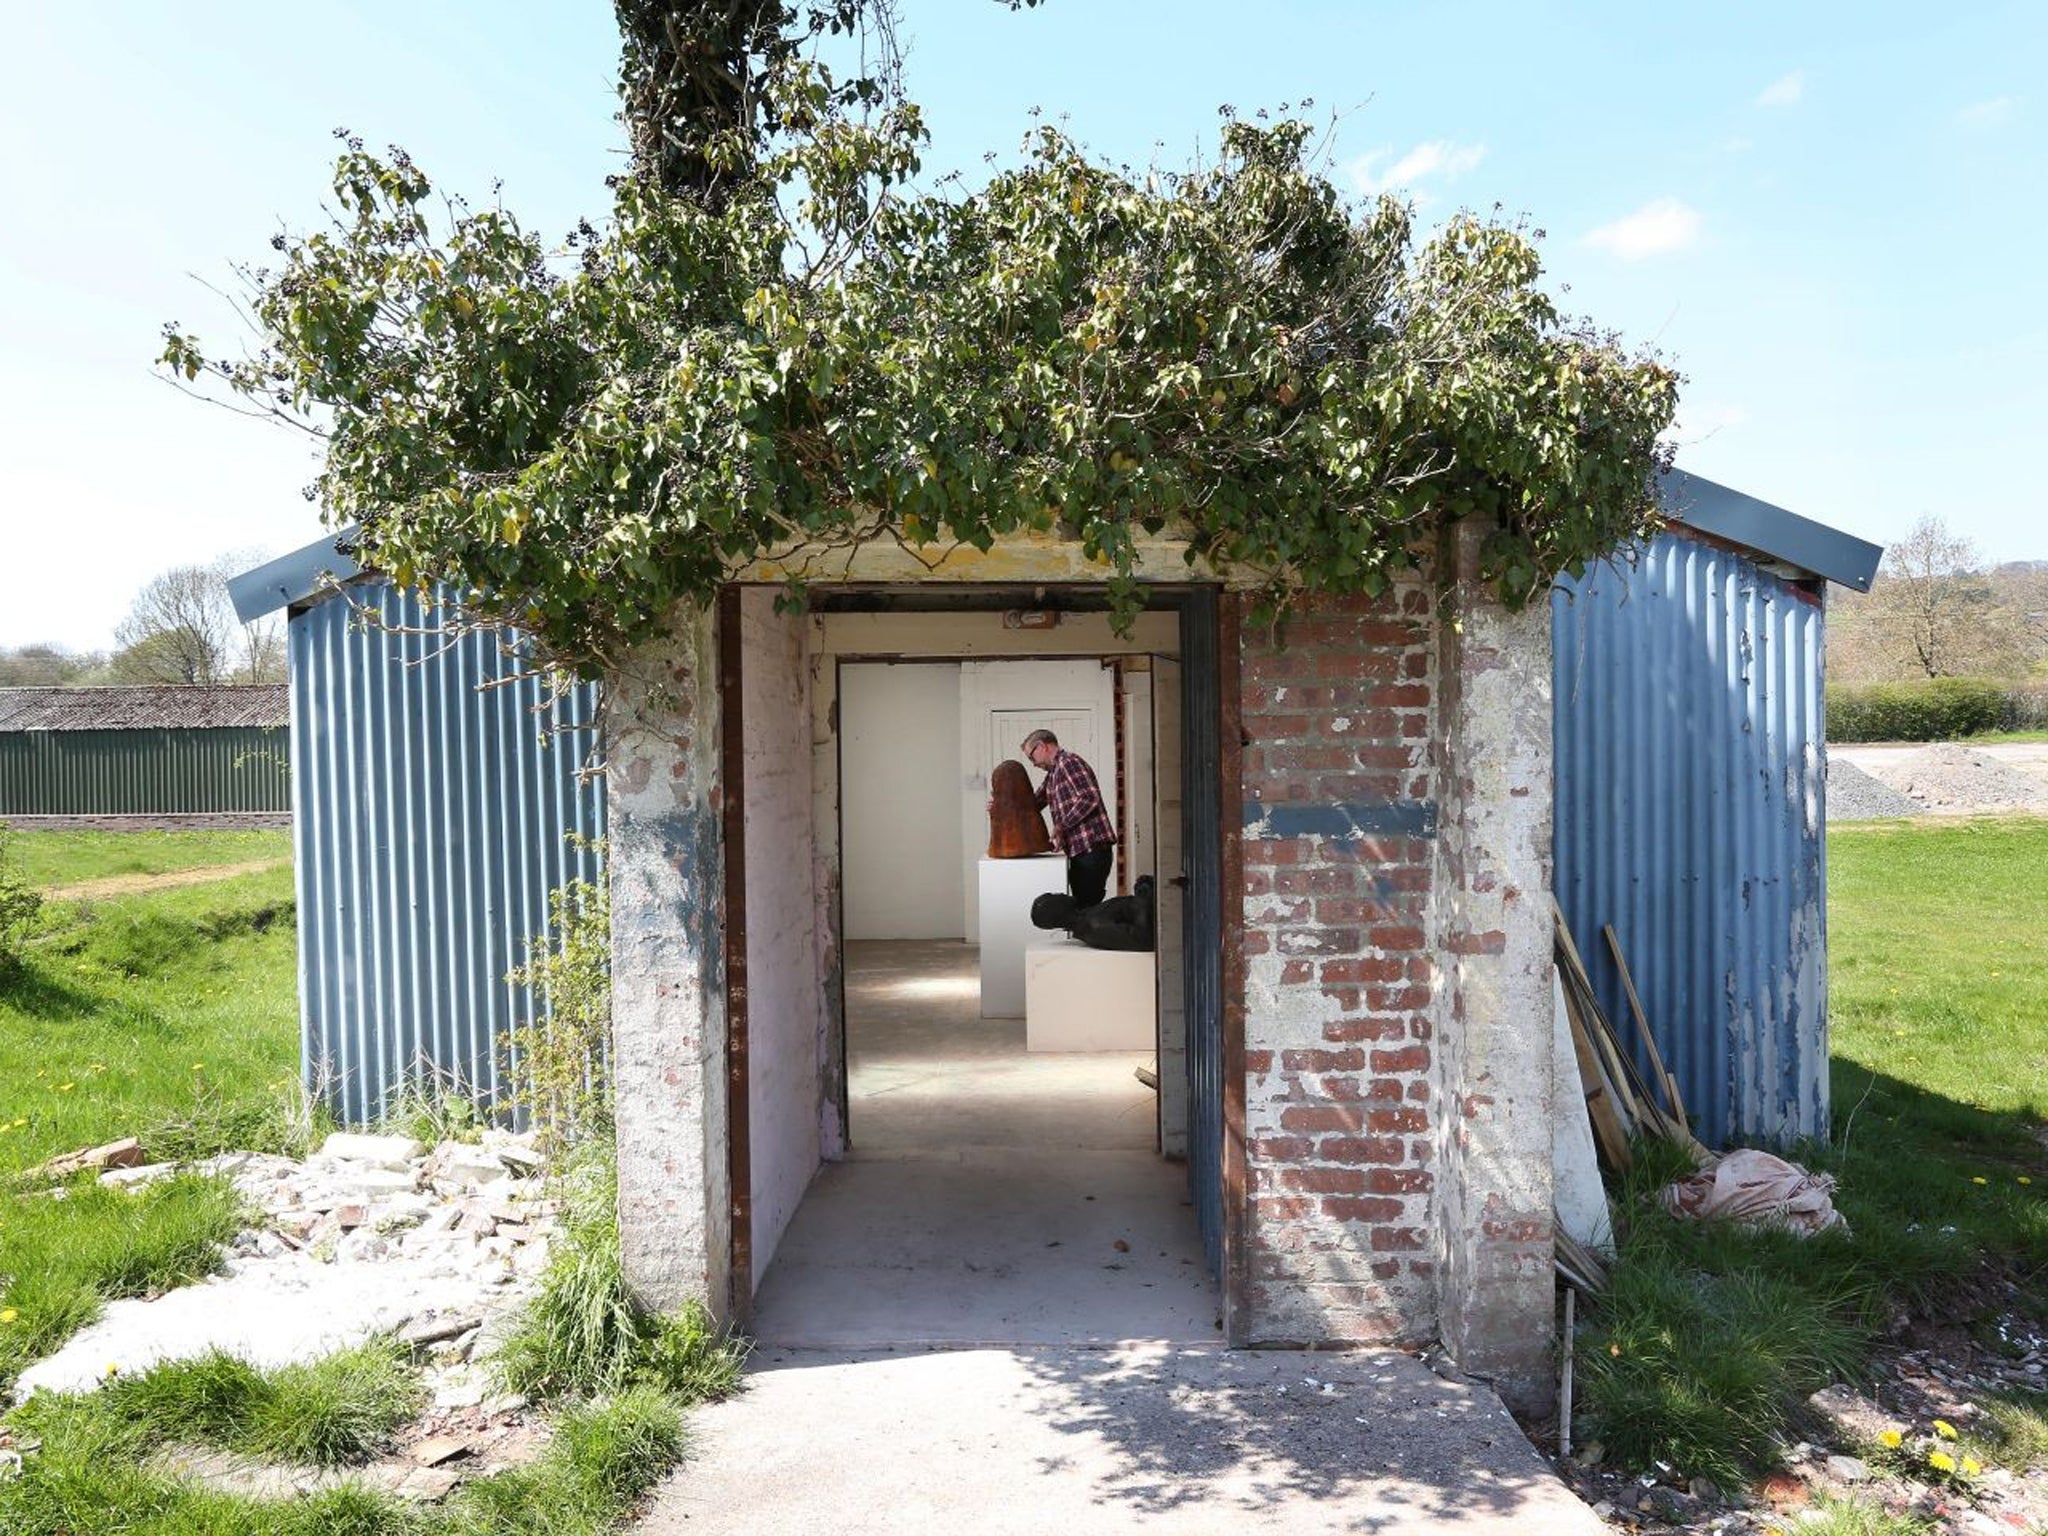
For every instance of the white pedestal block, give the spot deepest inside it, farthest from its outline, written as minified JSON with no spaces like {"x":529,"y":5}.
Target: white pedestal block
{"x":1008,"y":887}
{"x":1082,"y":999}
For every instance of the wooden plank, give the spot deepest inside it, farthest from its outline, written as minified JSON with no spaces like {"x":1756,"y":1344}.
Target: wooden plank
{"x":1660,"y":1074}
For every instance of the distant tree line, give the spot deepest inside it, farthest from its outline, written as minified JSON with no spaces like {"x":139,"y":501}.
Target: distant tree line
{"x":181,"y":628}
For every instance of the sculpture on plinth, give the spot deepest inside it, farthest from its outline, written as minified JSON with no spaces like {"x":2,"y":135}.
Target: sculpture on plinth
{"x":1016,"y":830}
{"x":1122,"y":922}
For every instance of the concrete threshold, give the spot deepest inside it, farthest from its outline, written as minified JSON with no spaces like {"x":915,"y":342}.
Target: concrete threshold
{"x":1152,"y":1438}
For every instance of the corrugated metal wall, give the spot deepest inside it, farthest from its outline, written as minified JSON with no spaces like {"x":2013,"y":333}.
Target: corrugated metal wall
{"x":1690,"y":783}
{"x":143,"y":773}
{"x":434,"y":802}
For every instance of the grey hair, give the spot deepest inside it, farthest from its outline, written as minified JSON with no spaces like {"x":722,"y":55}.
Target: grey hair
{"x":1036,"y":738}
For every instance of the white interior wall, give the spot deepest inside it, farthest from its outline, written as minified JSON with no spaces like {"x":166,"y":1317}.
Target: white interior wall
{"x":899,"y":750}
{"x":785,"y":1001}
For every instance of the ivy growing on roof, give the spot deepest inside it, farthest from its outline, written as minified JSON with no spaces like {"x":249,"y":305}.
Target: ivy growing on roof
{"x":787,"y":347}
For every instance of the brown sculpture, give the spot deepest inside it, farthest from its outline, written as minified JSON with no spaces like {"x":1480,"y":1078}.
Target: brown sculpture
{"x":1016,"y":830}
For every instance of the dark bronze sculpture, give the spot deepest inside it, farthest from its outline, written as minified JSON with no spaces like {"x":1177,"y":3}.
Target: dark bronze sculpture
{"x":1122,"y":922}
{"x":1016,"y":830}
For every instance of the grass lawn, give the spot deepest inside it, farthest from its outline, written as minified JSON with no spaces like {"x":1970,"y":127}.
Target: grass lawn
{"x":66,"y":858}
{"x":171,"y":1015}
{"x":1938,"y":1006}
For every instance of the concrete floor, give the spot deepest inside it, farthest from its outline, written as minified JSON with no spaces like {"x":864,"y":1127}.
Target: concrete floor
{"x":993,"y":1196}
{"x":1014,"y":1202}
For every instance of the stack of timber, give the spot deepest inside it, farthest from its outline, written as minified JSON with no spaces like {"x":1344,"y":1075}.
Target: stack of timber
{"x":1623,"y":1099}
{"x":1626,"y":1100}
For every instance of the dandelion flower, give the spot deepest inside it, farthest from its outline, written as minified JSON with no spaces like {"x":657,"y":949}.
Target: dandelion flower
{"x":1941,"y":1461}
{"x":1978,"y":1178}
{"x":113,"y":1368}
{"x":1972,"y":1465}
{"x":1890,"y":1439}
{"x":2025,"y":1180}
{"x":8,"y":1314}
{"x":1943,"y":1428}
{"x":66,"y":1087}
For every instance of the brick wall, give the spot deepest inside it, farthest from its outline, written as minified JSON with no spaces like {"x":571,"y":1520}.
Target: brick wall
{"x":1339,"y":722}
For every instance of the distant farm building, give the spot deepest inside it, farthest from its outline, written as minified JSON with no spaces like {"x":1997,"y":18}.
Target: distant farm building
{"x":157,"y":751}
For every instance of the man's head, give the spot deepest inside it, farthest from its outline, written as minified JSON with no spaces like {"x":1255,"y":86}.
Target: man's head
{"x":1040,"y":748}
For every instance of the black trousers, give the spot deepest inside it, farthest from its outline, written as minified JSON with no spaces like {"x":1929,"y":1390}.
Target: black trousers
{"x":1088,"y":875}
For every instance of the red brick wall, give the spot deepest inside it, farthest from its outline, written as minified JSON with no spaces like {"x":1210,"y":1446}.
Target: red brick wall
{"x":1339,"y":721}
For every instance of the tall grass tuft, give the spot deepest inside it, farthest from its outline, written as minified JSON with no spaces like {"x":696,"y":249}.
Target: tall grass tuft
{"x":334,"y":1411}
{"x":1705,"y":1340}
{"x":60,"y":1258}
{"x":584,"y":1334}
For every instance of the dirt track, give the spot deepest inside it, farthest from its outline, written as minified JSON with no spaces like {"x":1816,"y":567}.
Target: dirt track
{"x":122,"y":885}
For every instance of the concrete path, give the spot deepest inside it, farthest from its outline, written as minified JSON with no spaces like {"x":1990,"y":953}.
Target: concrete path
{"x":1076,"y":1442}
{"x":946,"y":1330}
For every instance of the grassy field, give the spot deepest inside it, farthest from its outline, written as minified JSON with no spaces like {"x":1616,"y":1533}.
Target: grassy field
{"x":1938,"y":982}
{"x":66,"y":858}
{"x":169,"y":1015}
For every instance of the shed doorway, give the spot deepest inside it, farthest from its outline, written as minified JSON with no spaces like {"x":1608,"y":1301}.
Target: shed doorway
{"x":973,"y":1190}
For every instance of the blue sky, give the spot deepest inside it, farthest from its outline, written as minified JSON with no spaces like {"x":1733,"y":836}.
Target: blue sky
{"x":1829,"y":217}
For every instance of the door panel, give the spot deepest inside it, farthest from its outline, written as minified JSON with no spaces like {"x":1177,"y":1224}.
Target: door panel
{"x":1172,"y":903}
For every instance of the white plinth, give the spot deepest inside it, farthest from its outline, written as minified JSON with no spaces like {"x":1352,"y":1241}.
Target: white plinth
{"x":1082,"y":999}
{"x":1008,"y":887}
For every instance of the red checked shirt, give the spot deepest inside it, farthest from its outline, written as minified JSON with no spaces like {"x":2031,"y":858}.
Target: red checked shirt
{"x":1080,"y":821}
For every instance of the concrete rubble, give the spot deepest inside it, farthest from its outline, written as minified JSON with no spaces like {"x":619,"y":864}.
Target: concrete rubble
{"x":371,"y":1236}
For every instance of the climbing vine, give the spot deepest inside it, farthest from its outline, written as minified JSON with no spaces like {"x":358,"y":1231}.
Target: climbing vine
{"x":578,"y":437}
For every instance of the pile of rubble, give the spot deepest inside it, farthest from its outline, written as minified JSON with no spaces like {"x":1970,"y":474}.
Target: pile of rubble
{"x":1870,"y":1452}
{"x":372,"y":1236}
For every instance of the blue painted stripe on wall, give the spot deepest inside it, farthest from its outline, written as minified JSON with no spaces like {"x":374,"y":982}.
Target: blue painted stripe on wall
{"x":1355,"y":818}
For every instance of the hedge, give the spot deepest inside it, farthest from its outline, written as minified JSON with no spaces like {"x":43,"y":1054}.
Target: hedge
{"x":1932,"y":709}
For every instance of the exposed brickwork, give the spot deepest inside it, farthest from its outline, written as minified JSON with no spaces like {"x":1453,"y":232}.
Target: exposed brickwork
{"x":1339,"y":979}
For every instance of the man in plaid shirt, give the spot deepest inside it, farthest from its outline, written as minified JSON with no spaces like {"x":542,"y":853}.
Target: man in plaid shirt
{"x":1081,"y":827}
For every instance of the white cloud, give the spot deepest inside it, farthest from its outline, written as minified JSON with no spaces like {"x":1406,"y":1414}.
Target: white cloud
{"x":1785,"y":91}
{"x":1439,"y":159}
{"x":1988,"y":114}
{"x":1655,"y":229}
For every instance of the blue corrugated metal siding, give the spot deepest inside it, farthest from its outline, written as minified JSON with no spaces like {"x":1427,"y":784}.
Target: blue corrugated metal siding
{"x":436,"y":802}
{"x":171,"y":771}
{"x":1690,"y":783}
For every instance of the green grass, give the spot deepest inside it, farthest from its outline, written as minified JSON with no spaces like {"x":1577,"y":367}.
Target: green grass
{"x":150,"y":1007}
{"x":336,"y":1411}
{"x":67,"y":858}
{"x":583,"y":1334}
{"x":171,"y":1015}
{"x":59,"y":1260}
{"x":1938,"y":949}
{"x":92,"y":1475}
{"x":1855,"y":1517}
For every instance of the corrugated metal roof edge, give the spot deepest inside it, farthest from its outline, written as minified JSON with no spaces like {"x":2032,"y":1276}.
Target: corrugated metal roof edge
{"x":1729,"y":514}
{"x":291,"y":578}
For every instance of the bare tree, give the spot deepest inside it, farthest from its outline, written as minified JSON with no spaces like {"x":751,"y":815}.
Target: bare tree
{"x":1932,"y":609}
{"x":182,"y":629}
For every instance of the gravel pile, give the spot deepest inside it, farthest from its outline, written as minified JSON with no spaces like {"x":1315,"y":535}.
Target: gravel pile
{"x":1952,"y":778}
{"x":1854,"y":795}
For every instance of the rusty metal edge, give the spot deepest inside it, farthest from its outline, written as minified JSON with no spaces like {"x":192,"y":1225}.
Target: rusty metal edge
{"x":1236,"y":1181}
{"x":739,"y":1148}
